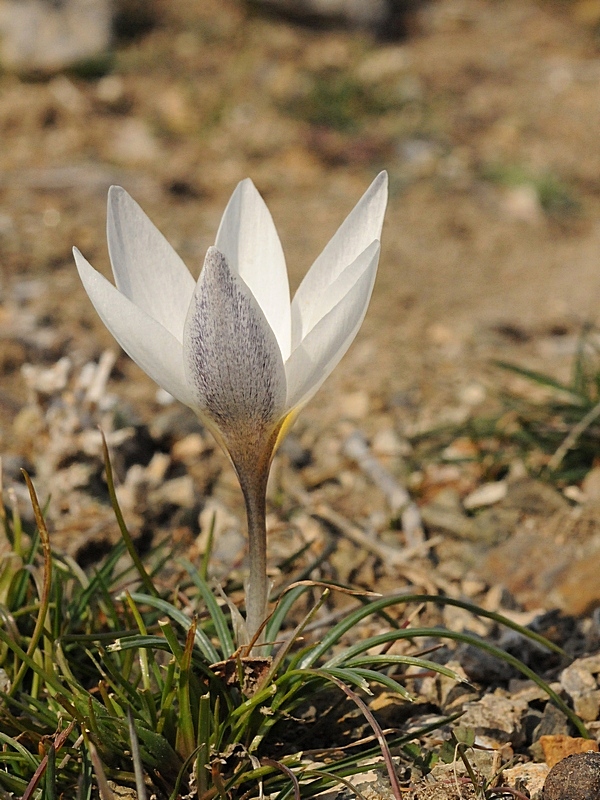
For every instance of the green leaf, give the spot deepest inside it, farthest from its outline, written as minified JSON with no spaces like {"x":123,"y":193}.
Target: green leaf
{"x":202,"y":640}
{"x":219,"y":619}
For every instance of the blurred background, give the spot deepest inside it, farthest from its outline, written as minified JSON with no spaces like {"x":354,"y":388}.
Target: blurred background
{"x":485,"y":113}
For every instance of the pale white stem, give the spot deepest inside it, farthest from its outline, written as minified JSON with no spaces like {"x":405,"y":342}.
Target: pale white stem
{"x":254,"y":488}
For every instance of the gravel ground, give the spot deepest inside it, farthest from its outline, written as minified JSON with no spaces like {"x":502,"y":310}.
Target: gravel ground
{"x":486,"y":117}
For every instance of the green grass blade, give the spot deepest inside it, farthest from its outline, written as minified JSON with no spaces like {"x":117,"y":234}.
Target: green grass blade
{"x":205,"y":562}
{"x":136,"y":758}
{"x":442,"y":633}
{"x":186,"y":739}
{"x":31,"y":663}
{"x":137,"y":642}
{"x":203,"y":744}
{"x":31,"y":762}
{"x":282,"y":610}
{"x":46,"y":583}
{"x":373,"y":676}
{"x":412,"y":661}
{"x":202,"y":640}
{"x":542,"y":380}
{"x":219,"y":619}
{"x":355,"y":617}
{"x":50,"y":777}
{"x":131,"y":549}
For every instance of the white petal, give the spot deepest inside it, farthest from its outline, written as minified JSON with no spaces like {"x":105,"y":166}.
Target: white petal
{"x":232,"y":359}
{"x":319,"y":353}
{"x":147,"y":270}
{"x":150,"y":345}
{"x":361,"y":227}
{"x":332,"y":294}
{"x":248,"y":239}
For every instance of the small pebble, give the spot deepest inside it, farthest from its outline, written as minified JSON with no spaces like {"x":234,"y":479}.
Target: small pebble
{"x":485,"y":495}
{"x":526,"y":776}
{"x":557,"y":747}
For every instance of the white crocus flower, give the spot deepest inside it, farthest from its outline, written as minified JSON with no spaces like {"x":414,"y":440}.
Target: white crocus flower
{"x":231,"y":346}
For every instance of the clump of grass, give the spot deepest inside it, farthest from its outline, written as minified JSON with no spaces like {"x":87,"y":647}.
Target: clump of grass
{"x":558,"y":439}
{"x":555,"y":196}
{"x":339,"y":102}
{"x":108,"y":680}
{"x":563,"y":432}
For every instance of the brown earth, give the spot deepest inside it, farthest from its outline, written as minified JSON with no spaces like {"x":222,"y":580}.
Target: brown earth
{"x":486,"y":118}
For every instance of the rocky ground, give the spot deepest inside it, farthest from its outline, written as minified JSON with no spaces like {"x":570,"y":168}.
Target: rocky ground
{"x":486,"y":116}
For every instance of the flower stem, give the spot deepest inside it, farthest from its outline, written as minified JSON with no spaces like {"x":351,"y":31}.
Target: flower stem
{"x":257,"y":588}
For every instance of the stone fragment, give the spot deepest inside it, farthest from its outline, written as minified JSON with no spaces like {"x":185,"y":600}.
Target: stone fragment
{"x":452,"y":695}
{"x":579,"y":683}
{"x":360,"y":13}
{"x":486,"y":495}
{"x":90,"y":440}
{"x":553,"y":723}
{"x":47,"y":380}
{"x":354,"y":405}
{"x":496,"y":720}
{"x":383,"y":64}
{"x":110,"y":90}
{"x":461,"y":620}
{"x":529,"y":777}
{"x":576,"y":777}
{"x":386,"y":442}
{"x":473,"y":394}
{"x":189,"y":448}
{"x":591,"y":485}
{"x":390,"y":708}
{"x":134,"y":143}
{"x":5,"y":684}
{"x":178,"y":492}
{"x":157,"y":469}
{"x":535,"y":565}
{"x":445,"y":514}
{"x":75,"y":476}
{"x":122,"y":792}
{"x":522,"y":203}
{"x":47,"y":36}
{"x":555,"y":748}
{"x":460,"y":449}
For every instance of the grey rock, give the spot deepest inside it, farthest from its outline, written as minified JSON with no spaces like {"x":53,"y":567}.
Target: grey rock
{"x":553,"y":723}
{"x":580,"y":684}
{"x":359,"y":13}
{"x":178,"y":492}
{"x":450,"y":776}
{"x":49,"y":35}
{"x":445,"y":514}
{"x":529,"y":496}
{"x":529,"y":777}
{"x":496,"y":720}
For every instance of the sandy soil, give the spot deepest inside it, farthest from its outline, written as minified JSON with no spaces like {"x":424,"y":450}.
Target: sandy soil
{"x":486,"y":118}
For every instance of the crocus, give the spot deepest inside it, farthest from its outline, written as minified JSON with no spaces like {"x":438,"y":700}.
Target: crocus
{"x":230,"y":345}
